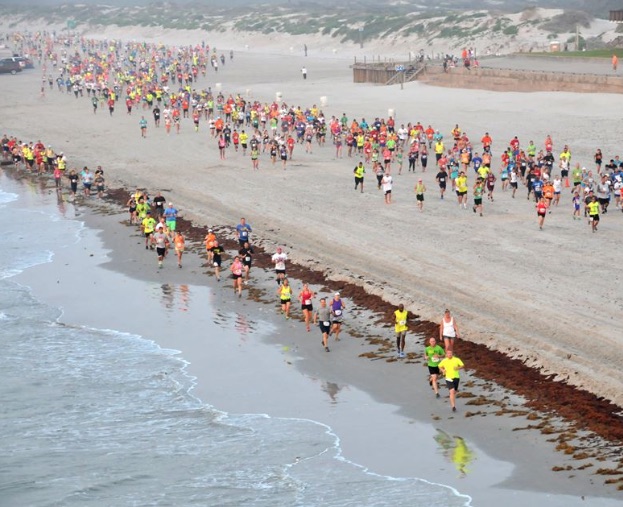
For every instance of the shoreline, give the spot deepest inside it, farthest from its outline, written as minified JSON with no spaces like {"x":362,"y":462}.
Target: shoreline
{"x":357,"y":372}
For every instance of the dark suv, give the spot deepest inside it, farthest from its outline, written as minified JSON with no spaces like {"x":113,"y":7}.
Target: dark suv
{"x":9,"y":66}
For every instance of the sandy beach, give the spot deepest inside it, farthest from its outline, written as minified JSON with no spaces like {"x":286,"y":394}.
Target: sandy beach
{"x":510,"y":284}
{"x":383,"y":413}
{"x":550,"y":298}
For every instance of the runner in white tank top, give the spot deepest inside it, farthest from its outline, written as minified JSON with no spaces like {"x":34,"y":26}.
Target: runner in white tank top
{"x":448,"y":330}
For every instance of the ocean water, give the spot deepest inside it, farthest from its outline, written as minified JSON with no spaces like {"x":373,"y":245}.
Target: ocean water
{"x":104,"y":418}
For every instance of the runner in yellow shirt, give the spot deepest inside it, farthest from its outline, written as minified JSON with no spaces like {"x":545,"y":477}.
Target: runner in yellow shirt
{"x":450,"y":367}
{"x":461,"y":189}
{"x":593,"y":213}
{"x":401,"y":315}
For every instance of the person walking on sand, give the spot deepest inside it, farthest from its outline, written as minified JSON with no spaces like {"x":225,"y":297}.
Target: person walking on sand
{"x":337,"y":315}
{"x":615,"y":62}
{"x":143,"y":124}
{"x":304,"y":72}
{"x":359,"y":171}
{"x":236,"y":269}
{"x":433,"y":354}
{"x":322,"y":317}
{"x":305,"y":297}
{"x":400,"y":328}
{"x":420,"y":188}
{"x":448,"y":330}
{"x":285,"y":297}
{"x":449,"y":367}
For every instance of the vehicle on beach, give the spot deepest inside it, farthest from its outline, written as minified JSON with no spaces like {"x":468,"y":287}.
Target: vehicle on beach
{"x":8,"y":66}
{"x":23,"y":61}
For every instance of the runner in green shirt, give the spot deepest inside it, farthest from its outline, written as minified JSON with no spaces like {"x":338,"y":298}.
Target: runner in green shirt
{"x":433,"y":354}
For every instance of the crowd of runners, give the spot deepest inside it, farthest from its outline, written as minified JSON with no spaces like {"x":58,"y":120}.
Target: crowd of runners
{"x":168,"y":84}
{"x":163,"y":84}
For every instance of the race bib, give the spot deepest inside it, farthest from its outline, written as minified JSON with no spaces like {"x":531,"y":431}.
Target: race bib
{"x":308,"y":301}
{"x":247,"y":258}
{"x":402,"y":322}
{"x":326,"y":323}
{"x":338,"y":312}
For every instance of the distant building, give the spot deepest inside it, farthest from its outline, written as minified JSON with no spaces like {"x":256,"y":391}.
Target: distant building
{"x":616,"y":16}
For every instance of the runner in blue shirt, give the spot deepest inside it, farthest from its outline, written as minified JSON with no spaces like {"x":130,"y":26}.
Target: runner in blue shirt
{"x":243,"y":229}
{"x":170,"y":216}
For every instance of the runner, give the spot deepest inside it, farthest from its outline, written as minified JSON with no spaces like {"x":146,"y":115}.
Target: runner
{"x":87,"y":181}
{"x":400,"y":328}
{"x":450,"y":367}
{"x":170,"y":215}
{"x":148,"y":224}
{"x":143,"y":124}
{"x":217,"y":259}
{"x":285,"y":297}
{"x":243,"y":229}
{"x":577,"y":204}
{"x":442,"y":178}
{"x":322,"y":317}
{"x":161,"y":241}
{"x":448,"y":330}
{"x":433,"y":354}
{"x":305,"y":297}
{"x":180,"y":243}
{"x":246,"y":254}
{"x":541,"y":211}
{"x":593,"y":213}
{"x":279,"y":260}
{"x":209,"y":244}
{"x":73,"y":182}
{"x":387,"y":183}
{"x":359,"y":171}
{"x":337,"y":311}
{"x":490,"y":185}
{"x":478,"y":190}
{"x":420,"y":188}
{"x":461,"y":189}
{"x":236,"y":269}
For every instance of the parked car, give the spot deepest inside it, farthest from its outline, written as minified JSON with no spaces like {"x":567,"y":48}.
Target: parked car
{"x":9,"y":66}
{"x":24,"y":62}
